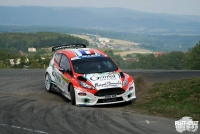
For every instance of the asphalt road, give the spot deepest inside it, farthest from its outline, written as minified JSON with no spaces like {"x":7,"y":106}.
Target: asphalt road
{"x":27,"y":108}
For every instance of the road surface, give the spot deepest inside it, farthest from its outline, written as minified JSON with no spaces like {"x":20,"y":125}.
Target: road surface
{"x":27,"y":108}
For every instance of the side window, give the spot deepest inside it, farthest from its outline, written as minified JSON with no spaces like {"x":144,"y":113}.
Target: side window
{"x":57,"y":58}
{"x":64,"y":63}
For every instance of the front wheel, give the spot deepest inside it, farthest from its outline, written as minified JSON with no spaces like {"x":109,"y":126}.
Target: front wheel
{"x":72,"y":94}
{"x":48,"y":83}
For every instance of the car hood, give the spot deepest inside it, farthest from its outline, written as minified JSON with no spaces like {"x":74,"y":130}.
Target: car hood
{"x":105,"y":80}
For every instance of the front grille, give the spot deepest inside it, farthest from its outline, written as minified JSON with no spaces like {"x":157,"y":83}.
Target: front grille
{"x":109,"y":91}
{"x":110,"y":100}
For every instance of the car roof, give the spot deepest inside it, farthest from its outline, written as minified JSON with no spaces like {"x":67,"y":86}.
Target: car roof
{"x":82,"y":53}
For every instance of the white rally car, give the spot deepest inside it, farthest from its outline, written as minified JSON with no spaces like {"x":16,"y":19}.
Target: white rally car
{"x":87,"y":76}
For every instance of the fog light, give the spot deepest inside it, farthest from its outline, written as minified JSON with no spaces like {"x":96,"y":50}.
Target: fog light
{"x":86,"y":100}
{"x":129,"y":95}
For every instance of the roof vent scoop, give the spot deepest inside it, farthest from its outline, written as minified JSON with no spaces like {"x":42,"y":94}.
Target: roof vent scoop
{"x":86,"y":52}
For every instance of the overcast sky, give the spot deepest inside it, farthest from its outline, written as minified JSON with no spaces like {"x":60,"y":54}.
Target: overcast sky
{"x":183,"y":7}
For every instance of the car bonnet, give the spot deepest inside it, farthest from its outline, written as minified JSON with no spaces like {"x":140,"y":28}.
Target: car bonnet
{"x":105,"y":80}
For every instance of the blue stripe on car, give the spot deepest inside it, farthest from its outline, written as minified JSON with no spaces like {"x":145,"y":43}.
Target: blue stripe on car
{"x":82,"y":51}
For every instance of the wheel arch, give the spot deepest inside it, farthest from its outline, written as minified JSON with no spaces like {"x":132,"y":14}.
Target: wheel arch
{"x":69,"y":86}
{"x":49,"y":71}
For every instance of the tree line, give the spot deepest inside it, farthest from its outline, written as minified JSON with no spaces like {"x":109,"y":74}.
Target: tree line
{"x":31,"y":61}
{"x":13,"y":43}
{"x":175,"y":60}
{"x":23,"y":41}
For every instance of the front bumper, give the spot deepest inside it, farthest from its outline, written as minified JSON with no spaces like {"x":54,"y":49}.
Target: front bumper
{"x":90,"y":99}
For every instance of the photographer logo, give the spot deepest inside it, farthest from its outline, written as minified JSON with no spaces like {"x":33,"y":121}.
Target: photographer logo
{"x":186,"y":124}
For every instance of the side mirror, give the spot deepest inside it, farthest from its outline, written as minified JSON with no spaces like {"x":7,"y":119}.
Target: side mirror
{"x":62,"y":70}
{"x":69,"y":72}
{"x":122,"y":74}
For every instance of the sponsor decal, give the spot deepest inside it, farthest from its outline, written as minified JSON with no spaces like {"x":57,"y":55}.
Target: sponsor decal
{"x":85,"y":56}
{"x":107,"y":84}
{"x":68,"y":46}
{"x":186,"y":124}
{"x":104,"y":80}
{"x":65,"y":79}
{"x":58,"y":76}
{"x":104,"y":77}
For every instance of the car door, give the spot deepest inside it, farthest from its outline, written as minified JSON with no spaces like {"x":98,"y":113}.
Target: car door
{"x":65,"y":69}
{"x":57,"y":74}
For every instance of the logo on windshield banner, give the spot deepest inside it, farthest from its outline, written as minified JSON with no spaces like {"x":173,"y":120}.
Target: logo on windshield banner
{"x":186,"y":124}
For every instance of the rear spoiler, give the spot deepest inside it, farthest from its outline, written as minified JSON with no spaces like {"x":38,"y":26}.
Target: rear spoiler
{"x":68,"y":46}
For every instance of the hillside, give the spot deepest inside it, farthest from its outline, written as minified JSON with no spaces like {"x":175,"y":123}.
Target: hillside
{"x":124,"y":47}
{"x":115,"y":19}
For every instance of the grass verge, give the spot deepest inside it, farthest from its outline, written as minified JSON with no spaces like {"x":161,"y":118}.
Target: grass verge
{"x":174,"y":99}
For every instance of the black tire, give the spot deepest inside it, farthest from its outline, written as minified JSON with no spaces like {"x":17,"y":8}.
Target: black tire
{"x":48,"y":84}
{"x":72,"y":94}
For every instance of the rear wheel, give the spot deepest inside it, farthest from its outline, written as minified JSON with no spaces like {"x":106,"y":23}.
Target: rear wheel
{"x":48,"y":83}
{"x":72,"y":94}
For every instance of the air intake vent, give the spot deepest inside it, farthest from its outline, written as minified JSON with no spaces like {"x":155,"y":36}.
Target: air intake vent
{"x":110,"y":91}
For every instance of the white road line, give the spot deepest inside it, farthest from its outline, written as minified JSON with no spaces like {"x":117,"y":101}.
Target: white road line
{"x":27,"y":129}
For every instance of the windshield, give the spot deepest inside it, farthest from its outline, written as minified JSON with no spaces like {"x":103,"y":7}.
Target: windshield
{"x":94,"y":65}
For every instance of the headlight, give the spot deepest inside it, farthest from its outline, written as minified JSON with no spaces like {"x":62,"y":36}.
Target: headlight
{"x":85,"y":85}
{"x":125,"y":82}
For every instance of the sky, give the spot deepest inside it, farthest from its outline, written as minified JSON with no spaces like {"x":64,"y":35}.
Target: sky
{"x":181,"y":7}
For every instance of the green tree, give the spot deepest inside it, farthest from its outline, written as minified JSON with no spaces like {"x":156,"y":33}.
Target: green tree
{"x":34,"y":65}
{"x":173,"y":60}
{"x":2,"y":65}
{"x":116,"y":58}
{"x":193,"y":58}
{"x":22,"y":62}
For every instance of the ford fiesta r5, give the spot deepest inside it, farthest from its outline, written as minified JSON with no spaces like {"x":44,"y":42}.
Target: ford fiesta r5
{"x":87,"y":76}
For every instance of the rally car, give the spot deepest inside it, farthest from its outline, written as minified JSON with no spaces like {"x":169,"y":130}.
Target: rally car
{"x":87,"y":76}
